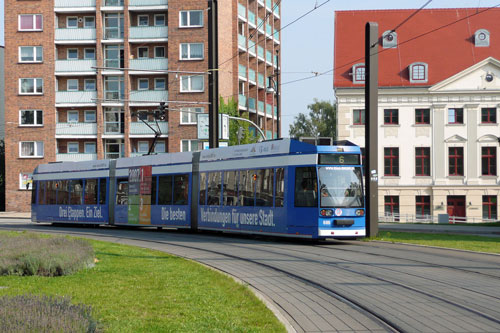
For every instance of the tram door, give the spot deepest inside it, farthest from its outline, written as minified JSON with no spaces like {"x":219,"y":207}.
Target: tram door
{"x":456,"y":205}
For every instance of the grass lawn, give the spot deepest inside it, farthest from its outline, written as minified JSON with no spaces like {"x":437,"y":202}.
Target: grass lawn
{"x":461,"y":242}
{"x":137,"y":290}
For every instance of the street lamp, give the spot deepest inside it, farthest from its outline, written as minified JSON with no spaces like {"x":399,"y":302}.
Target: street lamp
{"x":274,"y":87}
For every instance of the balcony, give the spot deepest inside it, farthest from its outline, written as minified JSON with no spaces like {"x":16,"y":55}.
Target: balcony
{"x":269,"y":58}
{"x":74,"y":6}
{"x":112,"y":5}
{"x":242,"y":101}
{"x":242,"y":12}
{"x":75,"y":36}
{"x":75,"y":157}
{"x":147,"y":5}
{"x":260,"y":107}
{"x":260,"y":25}
{"x":149,"y":64}
{"x":260,"y":81}
{"x":252,"y":19}
{"x":149,"y":34}
{"x":269,"y":31}
{"x":260,"y":53}
{"x":252,"y":105}
{"x":275,"y":112}
{"x":139,"y":128}
{"x":276,"y":10}
{"x":242,"y":72}
{"x":251,"y":48}
{"x":76,"y":98}
{"x":269,"y":110}
{"x":251,"y":76}
{"x":269,"y":134}
{"x":148,"y":97}
{"x":242,"y":42}
{"x":76,"y":129}
{"x":76,"y":67}
{"x":276,"y":36}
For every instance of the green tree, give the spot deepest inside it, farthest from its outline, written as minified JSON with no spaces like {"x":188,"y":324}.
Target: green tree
{"x":320,"y":122}
{"x":231,"y":108}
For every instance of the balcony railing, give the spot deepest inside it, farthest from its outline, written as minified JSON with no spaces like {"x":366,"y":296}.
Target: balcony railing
{"x":148,"y":96}
{"x":269,"y":134}
{"x":112,"y":3}
{"x":269,"y":57}
{"x":260,"y":80}
{"x":76,"y":97}
{"x":242,"y":71}
{"x":86,"y":34}
{"x":276,"y":34}
{"x":74,"y":3}
{"x":139,"y":3}
{"x":149,"y":64}
{"x":242,"y":11}
{"x":269,"y":109}
{"x":252,"y":105}
{"x":251,"y":47}
{"x":260,"y":25}
{"x":242,"y":41}
{"x":260,"y":106}
{"x":76,"y":129}
{"x":75,"y":157}
{"x":76,"y":66}
{"x":251,"y":17}
{"x":269,"y":4}
{"x":251,"y":75}
{"x":139,"y":128}
{"x":269,"y":30}
{"x":276,"y":10}
{"x":149,"y":32}
{"x":276,"y":111}
{"x":242,"y":100}
{"x":260,"y":52}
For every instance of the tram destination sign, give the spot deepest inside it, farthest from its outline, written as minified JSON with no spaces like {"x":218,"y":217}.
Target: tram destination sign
{"x":339,"y":159}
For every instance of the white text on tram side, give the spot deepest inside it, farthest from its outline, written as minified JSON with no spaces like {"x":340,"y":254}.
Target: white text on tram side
{"x":262,"y":218}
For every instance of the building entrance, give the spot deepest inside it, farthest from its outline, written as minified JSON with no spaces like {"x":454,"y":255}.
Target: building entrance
{"x":456,"y":205}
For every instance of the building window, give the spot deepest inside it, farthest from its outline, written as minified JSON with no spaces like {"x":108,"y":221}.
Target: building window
{"x":418,"y":72}
{"x":390,"y":39}
{"x":391,"y":161}
{"x":423,"y":205}
{"x":192,"y":83}
{"x":31,"y":86}
{"x":456,"y":161}
{"x":159,"y":20}
{"x":189,"y":116}
{"x":189,"y":145}
{"x":422,"y":116}
{"x":488,"y":115}
{"x":358,"y":117}
{"x":25,"y":181}
{"x":455,"y":116}
{"x":159,"y":51}
{"x":113,"y":25}
{"x":489,"y":161}
{"x":160,"y":147}
{"x":30,"y":118}
{"x":160,"y":84}
{"x":482,"y":38}
{"x":30,"y":22}
{"x":391,"y":116}
{"x":89,"y":22}
{"x":191,"y":51}
{"x":72,"y":22}
{"x":90,"y":116}
{"x":143,"y":20}
{"x":30,"y":54}
{"x":72,"y":116}
{"x":358,"y":73}
{"x":422,"y":161}
{"x":72,"y":85}
{"x":490,"y":207}
{"x":142,"y":147}
{"x":89,"y":85}
{"x":142,"y":84}
{"x":29,"y":149}
{"x":89,"y":54}
{"x":191,"y":19}
{"x":391,"y":205}
{"x":72,"y":54}
{"x":73,"y":148}
{"x":142,"y":52}
{"x":142,"y":115}
{"x":90,"y":148}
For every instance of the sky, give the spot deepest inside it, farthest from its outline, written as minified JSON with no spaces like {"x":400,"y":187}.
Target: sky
{"x":307,"y":46}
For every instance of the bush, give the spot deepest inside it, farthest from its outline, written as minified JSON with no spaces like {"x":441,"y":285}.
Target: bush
{"x":29,"y":313}
{"x":29,"y":254}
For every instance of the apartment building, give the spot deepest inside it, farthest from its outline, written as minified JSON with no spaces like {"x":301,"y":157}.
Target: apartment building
{"x":85,"y":77}
{"x":439,"y":85}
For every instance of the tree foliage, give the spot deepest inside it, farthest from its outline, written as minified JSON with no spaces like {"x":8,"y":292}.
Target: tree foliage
{"x":320,"y":122}
{"x":231,"y":108}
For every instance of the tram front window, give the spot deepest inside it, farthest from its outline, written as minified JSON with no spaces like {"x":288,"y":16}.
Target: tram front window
{"x":340,"y":187}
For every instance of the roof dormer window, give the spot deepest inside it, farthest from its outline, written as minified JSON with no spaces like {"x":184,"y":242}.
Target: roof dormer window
{"x":419,"y":72}
{"x":390,"y":39}
{"x":358,"y":73}
{"x":482,"y":38}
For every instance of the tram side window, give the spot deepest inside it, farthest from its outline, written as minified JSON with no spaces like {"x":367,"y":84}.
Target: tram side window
{"x":103,"y":190}
{"x":90,"y":192}
{"x":165,"y":190}
{"x":306,"y":191}
{"x":214,"y":188}
{"x":154,"y":179}
{"x":246,"y":187}
{"x":264,"y":187}
{"x":51,"y":192}
{"x":41,"y":193}
{"x":203,"y":188}
{"x":122,"y":191}
{"x":181,"y":189}
{"x":230,"y":190}
{"x":76,"y":191}
{"x":62,"y":192}
{"x":34,"y":192}
{"x":280,"y":187}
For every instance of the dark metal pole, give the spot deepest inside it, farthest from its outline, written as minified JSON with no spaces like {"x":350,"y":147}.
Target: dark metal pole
{"x":371,"y":127}
{"x":213,"y":77}
{"x":278,"y":90}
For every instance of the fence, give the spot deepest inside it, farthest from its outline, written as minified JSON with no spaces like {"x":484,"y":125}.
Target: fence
{"x":409,"y":218}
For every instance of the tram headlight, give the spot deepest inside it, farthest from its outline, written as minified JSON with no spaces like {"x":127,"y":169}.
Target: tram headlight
{"x":360,"y":212}
{"x":326,"y":212}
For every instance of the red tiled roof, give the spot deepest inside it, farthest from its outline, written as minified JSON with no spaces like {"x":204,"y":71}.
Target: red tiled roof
{"x":447,"y":51}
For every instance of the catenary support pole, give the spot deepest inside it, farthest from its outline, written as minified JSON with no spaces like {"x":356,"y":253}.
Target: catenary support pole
{"x":278,"y":91}
{"x":213,"y":78}
{"x":371,"y":127}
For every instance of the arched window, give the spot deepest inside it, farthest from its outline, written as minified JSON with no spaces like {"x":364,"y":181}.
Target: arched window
{"x":358,"y":73}
{"x":418,"y":72}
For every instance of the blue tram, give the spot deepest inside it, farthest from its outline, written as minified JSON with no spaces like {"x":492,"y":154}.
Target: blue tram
{"x":281,"y":187}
